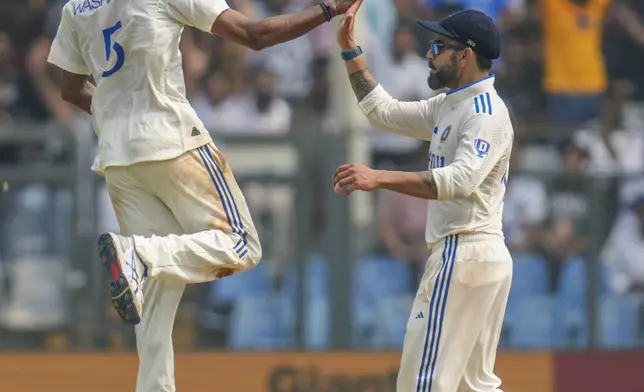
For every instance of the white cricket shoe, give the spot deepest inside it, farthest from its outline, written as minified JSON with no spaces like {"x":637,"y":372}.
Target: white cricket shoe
{"x":127,"y":273}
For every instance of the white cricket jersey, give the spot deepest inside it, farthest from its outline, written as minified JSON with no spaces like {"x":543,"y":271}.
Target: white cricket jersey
{"x":131,"y":48}
{"x":471,"y":139}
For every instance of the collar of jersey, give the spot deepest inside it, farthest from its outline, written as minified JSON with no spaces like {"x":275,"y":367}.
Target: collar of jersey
{"x":471,"y":89}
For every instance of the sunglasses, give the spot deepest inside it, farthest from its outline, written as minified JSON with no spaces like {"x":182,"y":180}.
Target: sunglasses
{"x":437,"y":47}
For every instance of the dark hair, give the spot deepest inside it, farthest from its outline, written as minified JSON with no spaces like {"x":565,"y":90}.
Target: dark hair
{"x":483,"y":63}
{"x":568,"y":144}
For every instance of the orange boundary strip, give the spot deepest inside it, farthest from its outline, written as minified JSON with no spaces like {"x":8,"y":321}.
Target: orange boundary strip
{"x":246,"y":372}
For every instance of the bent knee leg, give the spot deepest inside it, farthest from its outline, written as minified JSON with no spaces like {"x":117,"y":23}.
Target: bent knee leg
{"x":254,"y":254}
{"x":247,"y":253}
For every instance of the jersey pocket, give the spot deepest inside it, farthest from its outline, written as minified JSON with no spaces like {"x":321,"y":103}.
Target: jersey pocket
{"x":218,"y":157}
{"x":432,"y":271}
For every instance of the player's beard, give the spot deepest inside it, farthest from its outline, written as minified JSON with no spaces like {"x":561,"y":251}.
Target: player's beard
{"x":445,"y":76}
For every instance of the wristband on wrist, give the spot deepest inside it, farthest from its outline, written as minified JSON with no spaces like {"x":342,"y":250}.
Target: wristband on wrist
{"x":352,"y":54}
{"x":328,"y":12}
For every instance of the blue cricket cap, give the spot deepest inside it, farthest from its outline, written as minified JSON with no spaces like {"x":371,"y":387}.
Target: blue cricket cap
{"x":472,"y":28}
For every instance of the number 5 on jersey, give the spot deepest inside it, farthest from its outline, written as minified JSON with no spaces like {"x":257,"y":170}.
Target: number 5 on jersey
{"x":113,"y":46}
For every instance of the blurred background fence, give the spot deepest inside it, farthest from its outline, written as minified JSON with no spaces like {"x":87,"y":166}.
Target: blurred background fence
{"x":325,"y":282}
{"x":339,"y":274}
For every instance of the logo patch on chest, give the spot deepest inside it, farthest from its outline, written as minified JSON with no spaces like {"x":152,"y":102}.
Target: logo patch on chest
{"x":445,"y":133}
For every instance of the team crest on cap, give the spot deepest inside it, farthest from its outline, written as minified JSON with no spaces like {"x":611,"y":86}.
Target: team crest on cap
{"x":471,"y":43}
{"x":446,"y":133}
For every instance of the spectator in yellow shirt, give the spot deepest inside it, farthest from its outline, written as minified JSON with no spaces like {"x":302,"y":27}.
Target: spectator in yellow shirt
{"x":574,"y":69}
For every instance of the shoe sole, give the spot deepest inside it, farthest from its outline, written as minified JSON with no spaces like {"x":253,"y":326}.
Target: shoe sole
{"x":120,"y":291}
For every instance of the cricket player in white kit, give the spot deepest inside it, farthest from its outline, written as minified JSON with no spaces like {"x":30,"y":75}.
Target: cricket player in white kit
{"x":455,"y":324}
{"x":182,"y":216}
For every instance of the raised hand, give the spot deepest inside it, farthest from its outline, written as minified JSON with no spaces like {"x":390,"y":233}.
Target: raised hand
{"x":345,"y":31}
{"x":341,"y":7}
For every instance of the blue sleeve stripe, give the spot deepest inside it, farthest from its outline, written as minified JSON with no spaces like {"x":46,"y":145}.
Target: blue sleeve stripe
{"x":484,"y":108}
{"x":489,"y":103}
{"x":483,"y":103}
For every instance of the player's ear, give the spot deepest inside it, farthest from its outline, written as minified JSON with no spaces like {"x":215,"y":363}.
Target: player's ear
{"x":461,"y":55}
{"x":467,"y":53}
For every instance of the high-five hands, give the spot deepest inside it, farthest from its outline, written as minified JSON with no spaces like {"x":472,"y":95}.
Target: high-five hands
{"x":345,"y":31}
{"x":352,"y":177}
{"x":342,"y":6}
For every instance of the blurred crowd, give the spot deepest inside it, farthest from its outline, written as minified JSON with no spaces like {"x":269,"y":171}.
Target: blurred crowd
{"x":570,"y":71}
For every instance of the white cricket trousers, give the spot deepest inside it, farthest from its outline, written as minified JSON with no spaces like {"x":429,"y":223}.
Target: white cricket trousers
{"x":456,"y":319}
{"x":190,"y":224}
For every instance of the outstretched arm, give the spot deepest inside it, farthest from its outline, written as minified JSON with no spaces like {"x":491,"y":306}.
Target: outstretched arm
{"x":262,"y":33}
{"x":354,"y":177}
{"x":417,"y":184}
{"x":216,"y":17}
{"x":483,"y":145}
{"x":413,"y":119}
